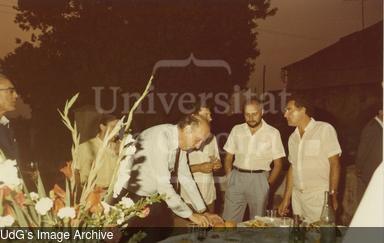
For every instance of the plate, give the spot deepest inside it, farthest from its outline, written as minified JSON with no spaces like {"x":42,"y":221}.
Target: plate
{"x":257,"y":222}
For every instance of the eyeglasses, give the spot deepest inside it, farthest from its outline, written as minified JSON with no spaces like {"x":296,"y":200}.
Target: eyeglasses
{"x":11,"y":90}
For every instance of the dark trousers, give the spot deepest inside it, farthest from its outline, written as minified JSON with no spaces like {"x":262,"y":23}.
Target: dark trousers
{"x":157,"y":225}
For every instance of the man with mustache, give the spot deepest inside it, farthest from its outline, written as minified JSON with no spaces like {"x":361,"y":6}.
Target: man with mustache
{"x":314,"y":154}
{"x":8,"y":97}
{"x":254,"y":145}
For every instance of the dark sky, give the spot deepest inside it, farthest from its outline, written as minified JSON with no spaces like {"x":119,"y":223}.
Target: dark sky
{"x":300,"y":28}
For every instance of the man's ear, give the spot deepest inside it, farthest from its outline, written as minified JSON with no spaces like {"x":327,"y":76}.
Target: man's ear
{"x":304,"y":110}
{"x":188,"y":129}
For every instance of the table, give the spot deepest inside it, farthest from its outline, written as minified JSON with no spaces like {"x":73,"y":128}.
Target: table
{"x":242,"y":234}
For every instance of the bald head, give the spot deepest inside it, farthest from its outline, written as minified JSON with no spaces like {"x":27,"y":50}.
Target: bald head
{"x":194,"y":130}
{"x":2,"y":76}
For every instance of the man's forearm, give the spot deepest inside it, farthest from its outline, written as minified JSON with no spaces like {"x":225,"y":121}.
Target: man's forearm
{"x":228,"y":163}
{"x":277,"y":165}
{"x":288,"y":184}
{"x":196,"y":168}
{"x":334,"y":177}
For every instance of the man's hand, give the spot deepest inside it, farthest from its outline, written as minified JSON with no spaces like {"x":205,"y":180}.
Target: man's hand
{"x":283,"y":207}
{"x":206,"y":167}
{"x":200,"y":220}
{"x":216,"y":163}
{"x":335,"y":204}
{"x":214,"y":219}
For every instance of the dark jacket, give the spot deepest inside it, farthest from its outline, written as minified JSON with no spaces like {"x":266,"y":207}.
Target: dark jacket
{"x":370,"y":150}
{"x":8,"y":142}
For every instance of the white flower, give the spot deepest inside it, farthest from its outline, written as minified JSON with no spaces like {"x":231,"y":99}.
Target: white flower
{"x":126,"y":202}
{"x":34,"y":196}
{"x":66,"y":212}
{"x":106,"y":207}
{"x":121,"y":219}
{"x":129,"y":139}
{"x":6,"y":221}
{"x":129,"y":151}
{"x":44,"y":205}
{"x":9,"y":174}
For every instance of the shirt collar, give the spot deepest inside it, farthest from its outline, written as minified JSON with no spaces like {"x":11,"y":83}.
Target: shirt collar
{"x":98,"y":140}
{"x":263,"y":124}
{"x":4,"y":121}
{"x":309,"y":126}
{"x":379,"y":121}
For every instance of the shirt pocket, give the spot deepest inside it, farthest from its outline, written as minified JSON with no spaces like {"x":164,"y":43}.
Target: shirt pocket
{"x":312,"y":148}
{"x":263,"y":147}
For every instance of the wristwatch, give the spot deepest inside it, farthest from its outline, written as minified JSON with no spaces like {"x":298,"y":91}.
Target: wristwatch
{"x":332,"y":192}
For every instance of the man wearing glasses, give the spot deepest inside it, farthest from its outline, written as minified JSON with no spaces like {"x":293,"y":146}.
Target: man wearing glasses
{"x":8,"y":97}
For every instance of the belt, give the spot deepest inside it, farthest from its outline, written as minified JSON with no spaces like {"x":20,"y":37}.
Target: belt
{"x":248,"y":171}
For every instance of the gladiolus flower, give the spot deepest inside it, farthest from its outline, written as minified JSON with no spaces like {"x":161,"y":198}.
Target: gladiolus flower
{"x":126,"y":202}
{"x":66,"y":212}
{"x":144,"y":213}
{"x":20,"y":199}
{"x":9,"y":174}
{"x":6,"y":221}
{"x":34,"y":196}
{"x":67,"y":170}
{"x":44,"y":205}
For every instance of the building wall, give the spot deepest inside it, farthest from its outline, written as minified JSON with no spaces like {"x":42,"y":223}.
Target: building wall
{"x":348,"y":109}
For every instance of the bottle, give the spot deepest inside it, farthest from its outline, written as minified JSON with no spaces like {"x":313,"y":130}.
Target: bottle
{"x":297,"y":234}
{"x":327,"y":221}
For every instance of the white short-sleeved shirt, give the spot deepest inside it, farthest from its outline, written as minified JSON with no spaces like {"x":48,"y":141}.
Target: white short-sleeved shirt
{"x":86,"y":156}
{"x":309,"y":155}
{"x":204,"y":181}
{"x":254,"y":152}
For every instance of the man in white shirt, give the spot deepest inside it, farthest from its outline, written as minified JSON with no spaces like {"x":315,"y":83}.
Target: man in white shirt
{"x":151,"y":168}
{"x":254,"y":144}
{"x":87,"y":153}
{"x":202,"y":163}
{"x":314,"y":153}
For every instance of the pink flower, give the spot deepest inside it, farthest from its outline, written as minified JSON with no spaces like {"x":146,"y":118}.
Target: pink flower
{"x":144,"y":213}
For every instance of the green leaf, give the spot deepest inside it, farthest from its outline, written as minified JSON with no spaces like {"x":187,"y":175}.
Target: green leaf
{"x":33,"y":213}
{"x":40,"y":186}
{"x":72,"y":100}
{"x":20,"y":218}
{"x":28,"y":217}
{"x":67,"y":193}
{"x":1,"y":203}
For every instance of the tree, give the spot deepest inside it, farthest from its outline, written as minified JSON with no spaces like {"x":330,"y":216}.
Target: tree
{"x":79,"y":44}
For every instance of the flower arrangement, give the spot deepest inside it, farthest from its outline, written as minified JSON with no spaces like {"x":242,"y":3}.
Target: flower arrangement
{"x":65,"y":208}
